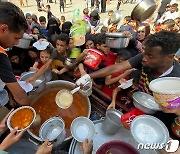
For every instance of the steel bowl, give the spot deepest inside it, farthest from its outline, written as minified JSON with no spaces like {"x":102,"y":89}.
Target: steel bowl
{"x":117,"y":40}
{"x":148,"y":129}
{"x":82,"y":128}
{"x":143,"y":10}
{"x":54,"y":130}
{"x":145,"y":103}
{"x":15,"y":111}
{"x":166,"y":91}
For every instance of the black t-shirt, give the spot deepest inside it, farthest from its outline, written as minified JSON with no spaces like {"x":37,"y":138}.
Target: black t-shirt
{"x":6,"y":74}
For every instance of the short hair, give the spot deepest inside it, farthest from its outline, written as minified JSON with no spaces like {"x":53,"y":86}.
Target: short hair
{"x":48,"y":6}
{"x":100,"y":38}
{"x":174,"y":5}
{"x":170,"y":23}
{"x":86,"y":11}
{"x":124,"y":53}
{"x":128,"y":18}
{"x":104,"y":29}
{"x":12,"y":16}
{"x":110,"y":11}
{"x":63,"y":17}
{"x":169,"y":41}
{"x":63,"y":37}
{"x":42,"y":19}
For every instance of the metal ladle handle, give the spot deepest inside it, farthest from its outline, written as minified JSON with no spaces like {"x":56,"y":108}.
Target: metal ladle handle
{"x":75,"y":90}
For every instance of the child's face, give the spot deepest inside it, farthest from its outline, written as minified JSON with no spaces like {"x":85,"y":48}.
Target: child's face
{"x":61,"y":46}
{"x":15,"y":59}
{"x":36,"y":31}
{"x":103,"y":48}
{"x":29,"y":19}
{"x":119,"y":59}
{"x":43,"y":24}
{"x":141,"y":33}
{"x":32,"y":54}
{"x":62,"y":20}
{"x":125,"y":21}
{"x":44,"y":56}
{"x":89,"y":44}
{"x":109,"y":15}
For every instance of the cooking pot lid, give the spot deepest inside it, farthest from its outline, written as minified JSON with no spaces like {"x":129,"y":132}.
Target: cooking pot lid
{"x":145,"y":100}
{"x":118,"y":34}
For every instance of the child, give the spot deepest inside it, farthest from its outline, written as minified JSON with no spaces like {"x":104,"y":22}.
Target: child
{"x":135,"y":74}
{"x":43,"y":58}
{"x":112,"y":81}
{"x":126,"y":26}
{"x":86,"y":16}
{"x":42,"y":21}
{"x":107,"y":21}
{"x":62,"y":21}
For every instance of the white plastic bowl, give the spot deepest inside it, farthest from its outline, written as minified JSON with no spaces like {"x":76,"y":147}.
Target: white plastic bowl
{"x":148,"y":129}
{"x":166,"y":90}
{"x":11,"y":115}
{"x":82,"y":128}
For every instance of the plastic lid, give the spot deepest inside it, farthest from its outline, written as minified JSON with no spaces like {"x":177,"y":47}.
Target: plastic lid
{"x":41,"y":45}
{"x":3,"y":97}
{"x":26,"y":86}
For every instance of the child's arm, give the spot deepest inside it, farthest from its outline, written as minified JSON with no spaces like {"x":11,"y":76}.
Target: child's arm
{"x":114,"y":95}
{"x":59,"y":72}
{"x":82,"y":56}
{"x":34,"y":68}
{"x":109,"y":80}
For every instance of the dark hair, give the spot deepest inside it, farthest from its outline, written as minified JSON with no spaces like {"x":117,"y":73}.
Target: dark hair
{"x":110,"y":11}
{"x":63,"y":17}
{"x":169,"y":41}
{"x":104,"y":29}
{"x":42,"y":19}
{"x":128,"y":18}
{"x":100,"y":38}
{"x":170,"y":23}
{"x":124,"y":53}
{"x":86,"y":11}
{"x":48,"y":6}
{"x":63,"y":37}
{"x":12,"y":16}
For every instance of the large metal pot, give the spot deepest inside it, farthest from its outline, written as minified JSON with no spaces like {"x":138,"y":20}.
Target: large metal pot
{"x":116,"y":17}
{"x":117,"y":40}
{"x":40,"y":83}
{"x":143,"y":10}
{"x":52,"y":86}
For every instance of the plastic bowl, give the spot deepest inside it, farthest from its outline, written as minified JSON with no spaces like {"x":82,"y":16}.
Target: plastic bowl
{"x":166,"y":91}
{"x":17,"y":110}
{"x":82,"y":128}
{"x":117,"y":147}
{"x":4,"y":98}
{"x":148,"y":129}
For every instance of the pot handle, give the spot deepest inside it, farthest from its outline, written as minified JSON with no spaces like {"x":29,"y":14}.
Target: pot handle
{"x":34,"y":142}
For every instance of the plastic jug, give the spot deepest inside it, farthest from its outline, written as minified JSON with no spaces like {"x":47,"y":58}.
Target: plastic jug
{"x":75,"y":52}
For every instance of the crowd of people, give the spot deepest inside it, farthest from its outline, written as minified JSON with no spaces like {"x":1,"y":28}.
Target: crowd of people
{"x":152,"y":52}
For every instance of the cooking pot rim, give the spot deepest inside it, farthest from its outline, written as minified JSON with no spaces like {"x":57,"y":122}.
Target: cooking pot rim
{"x":116,"y":35}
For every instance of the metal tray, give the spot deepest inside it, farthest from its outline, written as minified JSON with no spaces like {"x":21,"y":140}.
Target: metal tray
{"x":100,"y":138}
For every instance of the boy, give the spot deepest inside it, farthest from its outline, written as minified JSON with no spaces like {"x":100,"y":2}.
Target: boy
{"x":126,"y":26}
{"x":57,"y":57}
{"x":107,"y":22}
{"x":42,"y":21}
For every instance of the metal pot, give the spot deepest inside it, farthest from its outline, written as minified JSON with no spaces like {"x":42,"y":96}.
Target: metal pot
{"x":112,"y":123}
{"x":116,"y":17}
{"x":25,"y":41}
{"x":69,"y":63}
{"x":51,"y":86}
{"x":39,"y":85}
{"x":143,"y":10}
{"x":117,"y":40}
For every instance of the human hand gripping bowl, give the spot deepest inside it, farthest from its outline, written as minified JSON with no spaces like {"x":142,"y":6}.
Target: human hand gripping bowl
{"x":22,"y":118}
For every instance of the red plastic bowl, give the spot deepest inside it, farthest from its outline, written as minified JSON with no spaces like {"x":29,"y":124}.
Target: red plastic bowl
{"x":117,"y":147}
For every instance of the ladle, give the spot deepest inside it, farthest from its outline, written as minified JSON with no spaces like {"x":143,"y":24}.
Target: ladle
{"x":64,"y":98}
